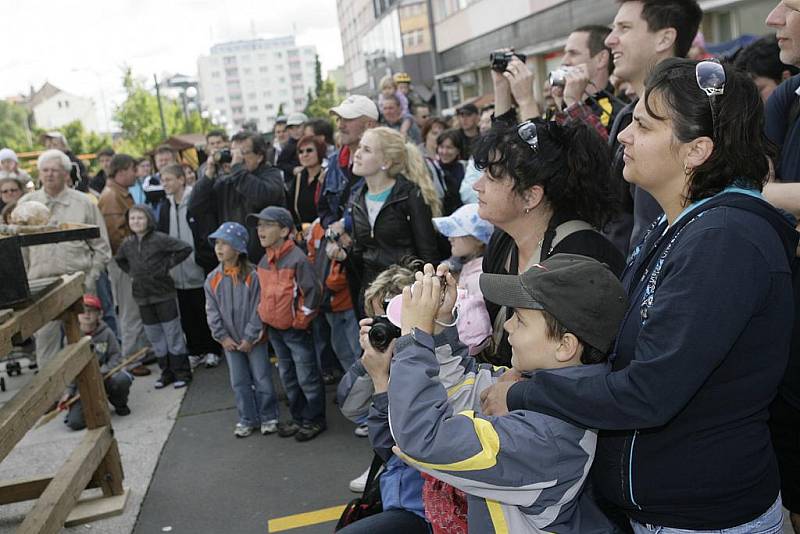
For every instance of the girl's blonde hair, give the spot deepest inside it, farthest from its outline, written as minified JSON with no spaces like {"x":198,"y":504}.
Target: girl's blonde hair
{"x":387,"y":81}
{"x":406,"y":159}
{"x":391,"y":282}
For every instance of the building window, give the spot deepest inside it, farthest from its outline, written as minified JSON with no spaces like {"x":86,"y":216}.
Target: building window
{"x":252,"y":96}
{"x":216,"y":74}
{"x":229,"y":60}
{"x":220,"y":100}
{"x":263,"y":69}
{"x":253,"y":108}
{"x":248,"y":70}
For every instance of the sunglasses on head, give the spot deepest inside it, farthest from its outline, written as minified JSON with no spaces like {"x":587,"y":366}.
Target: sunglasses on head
{"x":710,"y":76}
{"x":528,"y":132}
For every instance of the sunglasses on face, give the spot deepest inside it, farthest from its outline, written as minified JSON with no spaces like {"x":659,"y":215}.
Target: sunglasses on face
{"x":710,"y":76}
{"x":306,"y":151}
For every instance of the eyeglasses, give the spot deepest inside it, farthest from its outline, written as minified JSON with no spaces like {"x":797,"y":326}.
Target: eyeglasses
{"x":306,"y":151}
{"x":7,"y":191}
{"x":528,"y":132}
{"x":711,"y":80}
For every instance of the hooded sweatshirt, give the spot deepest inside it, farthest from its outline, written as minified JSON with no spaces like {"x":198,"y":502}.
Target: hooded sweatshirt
{"x":699,"y":357}
{"x":187,"y":274}
{"x":148,"y":260}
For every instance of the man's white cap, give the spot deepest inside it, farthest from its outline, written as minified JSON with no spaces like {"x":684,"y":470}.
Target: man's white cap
{"x":296,"y":119}
{"x":355,"y":106}
{"x":7,"y":153}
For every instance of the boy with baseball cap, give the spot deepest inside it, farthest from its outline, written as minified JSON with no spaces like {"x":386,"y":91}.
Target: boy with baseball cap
{"x":523,"y":472}
{"x":290,"y":293}
{"x":106,"y":348}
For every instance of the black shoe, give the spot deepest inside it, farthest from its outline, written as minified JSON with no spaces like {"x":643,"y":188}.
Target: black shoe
{"x":166,"y":379}
{"x":286,"y":430}
{"x":122,"y":410}
{"x":309,"y":432}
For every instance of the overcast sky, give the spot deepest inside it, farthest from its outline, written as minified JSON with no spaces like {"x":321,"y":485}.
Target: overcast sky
{"x":82,"y":45}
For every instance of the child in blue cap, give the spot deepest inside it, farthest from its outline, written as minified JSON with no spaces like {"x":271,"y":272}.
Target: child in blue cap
{"x":232,"y":297}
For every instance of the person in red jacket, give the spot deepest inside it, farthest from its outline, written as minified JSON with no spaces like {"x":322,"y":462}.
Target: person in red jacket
{"x":290,"y":293}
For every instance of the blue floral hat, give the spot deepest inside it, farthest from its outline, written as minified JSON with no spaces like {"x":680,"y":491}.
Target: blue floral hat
{"x":232,"y":233}
{"x":463,"y":222}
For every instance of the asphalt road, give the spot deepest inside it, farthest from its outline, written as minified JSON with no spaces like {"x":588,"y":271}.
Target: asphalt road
{"x":209,"y":482}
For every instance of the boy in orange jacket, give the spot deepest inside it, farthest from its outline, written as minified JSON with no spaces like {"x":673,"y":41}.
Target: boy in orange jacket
{"x":290,"y":292}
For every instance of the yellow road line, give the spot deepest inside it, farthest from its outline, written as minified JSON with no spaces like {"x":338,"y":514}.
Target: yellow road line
{"x":279,"y":524}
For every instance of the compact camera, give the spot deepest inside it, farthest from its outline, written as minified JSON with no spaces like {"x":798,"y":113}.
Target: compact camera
{"x":223,"y":156}
{"x":558,"y":77}
{"x":499,"y":59}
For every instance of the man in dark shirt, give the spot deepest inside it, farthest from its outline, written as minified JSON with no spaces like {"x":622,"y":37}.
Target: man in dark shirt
{"x":468,"y":118}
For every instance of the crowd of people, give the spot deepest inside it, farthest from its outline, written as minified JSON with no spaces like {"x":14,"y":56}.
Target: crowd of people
{"x":569,"y":316}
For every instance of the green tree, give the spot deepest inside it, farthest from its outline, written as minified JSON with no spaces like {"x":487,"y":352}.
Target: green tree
{"x":326,"y":98}
{"x":139,"y":119}
{"x":317,"y":74}
{"x":83,"y":142}
{"x":14,"y":130}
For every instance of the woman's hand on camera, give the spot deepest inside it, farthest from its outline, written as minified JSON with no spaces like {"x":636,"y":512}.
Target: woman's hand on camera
{"x":520,"y":80}
{"x":376,"y":363}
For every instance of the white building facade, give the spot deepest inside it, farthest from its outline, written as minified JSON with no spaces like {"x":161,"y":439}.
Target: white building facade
{"x":248,"y":81}
{"x":53,"y":109}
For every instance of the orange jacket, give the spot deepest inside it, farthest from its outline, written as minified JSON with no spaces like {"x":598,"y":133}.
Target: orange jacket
{"x":331,"y":271}
{"x":290,"y":288}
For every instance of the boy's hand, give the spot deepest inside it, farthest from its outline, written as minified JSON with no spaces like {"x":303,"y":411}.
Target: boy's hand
{"x":229,"y":344}
{"x":493,"y":398}
{"x":62,"y":402}
{"x":421,"y":302}
{"x":245,"y":346}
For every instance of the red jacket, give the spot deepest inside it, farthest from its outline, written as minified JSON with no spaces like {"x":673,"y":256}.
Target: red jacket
{"x":290,"y":289}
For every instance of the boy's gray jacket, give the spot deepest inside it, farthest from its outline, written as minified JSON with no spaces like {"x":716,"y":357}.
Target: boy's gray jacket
{"x":106,"y":348}
{"x":523,"y":472}
{"x":232,"y":307}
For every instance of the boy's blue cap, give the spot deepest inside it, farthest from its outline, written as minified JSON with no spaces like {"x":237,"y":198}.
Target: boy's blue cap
{"x":463,"y":222}
{"x":272,"y":213}
{"x":232,"y":233}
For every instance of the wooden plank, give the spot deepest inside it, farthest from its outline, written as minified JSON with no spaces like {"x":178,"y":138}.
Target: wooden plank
{"x":27,"y":489}
{"x":72,"y":329}
{"x":19,"y":414}
{"x":54,"y":505}
{"x":93,"y":396}
{"x":109,"y":475}
{"x":97,"y":508}
{"x":29,"y":319}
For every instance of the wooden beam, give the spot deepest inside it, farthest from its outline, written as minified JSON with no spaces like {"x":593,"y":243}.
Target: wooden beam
{"x":54,"y":505}
{"x":93,"y":396}
{"x":50,"y":305}
{"x":109,"y":475}
{"x":19,"y":414}
{"x":87,"y":510}
{"x":27,"y":489}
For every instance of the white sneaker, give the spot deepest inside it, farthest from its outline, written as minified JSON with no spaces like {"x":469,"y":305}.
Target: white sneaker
{"x":270,"y":427}
{"x":212,"y":360}
{"x":362,"y":431}
{"x":242,"y":431}
{"x":358,"y":484}
{"x":195,"y":361}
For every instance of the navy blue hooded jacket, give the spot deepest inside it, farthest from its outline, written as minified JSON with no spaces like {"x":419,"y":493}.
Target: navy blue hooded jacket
{"x":698,"y":360}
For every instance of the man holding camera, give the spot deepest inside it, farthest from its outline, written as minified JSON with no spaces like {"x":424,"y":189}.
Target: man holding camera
{"x":584,"y":73}
{"x":251,"y":185}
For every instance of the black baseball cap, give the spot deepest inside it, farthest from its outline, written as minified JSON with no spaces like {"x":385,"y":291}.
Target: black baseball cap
{"x":469,"y":109}
{"x":580,"y":292}
{"x":277,"y":214}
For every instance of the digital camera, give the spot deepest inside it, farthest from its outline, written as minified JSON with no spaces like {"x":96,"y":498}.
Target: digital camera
{"x":499,"y":59}
{"x":223,"y":156}
{"x":558,"y":77}
{"x":382,"y":333}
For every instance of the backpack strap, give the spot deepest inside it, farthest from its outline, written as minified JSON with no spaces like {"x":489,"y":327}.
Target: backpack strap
{"x":374,"y":469}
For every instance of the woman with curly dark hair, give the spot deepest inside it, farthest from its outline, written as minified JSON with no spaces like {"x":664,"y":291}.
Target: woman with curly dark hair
{"x":546,"y":189}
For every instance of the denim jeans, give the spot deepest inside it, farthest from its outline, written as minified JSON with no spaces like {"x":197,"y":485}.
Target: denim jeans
{"x":770,"y":522}
{"x":344,"y":337}
{"x":117,"y":386}
{"x":251,"y":380}
{"x":297,"y":365}
{"x":326,"y":359}
{"x":103,"y":288}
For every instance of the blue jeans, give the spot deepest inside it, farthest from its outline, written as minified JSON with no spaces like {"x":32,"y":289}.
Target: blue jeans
{"x":103,"y":288}
{"x":297,"y":365}
{"x":770,"y":522}
{"x":326,"y":359}
{"x":251,"y":380}
{"x":344,"y":337}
